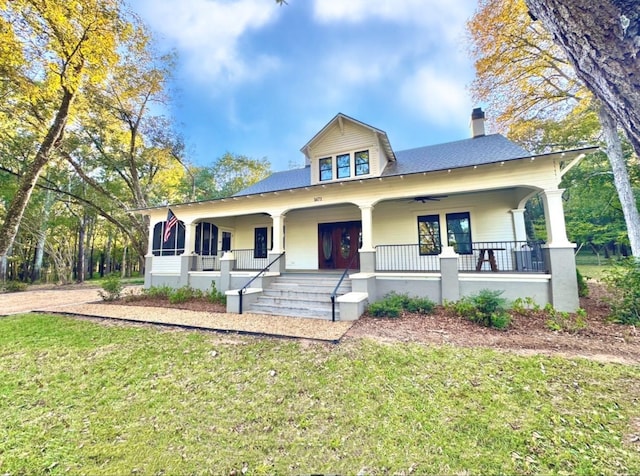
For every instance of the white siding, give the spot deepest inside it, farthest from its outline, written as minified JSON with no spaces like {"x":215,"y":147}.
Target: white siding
{"x":396,"y":222}
{"x":165,"y":265}
{"x":351,"y":139}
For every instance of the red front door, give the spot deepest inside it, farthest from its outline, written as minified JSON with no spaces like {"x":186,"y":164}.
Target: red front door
{"x":338,"y":244}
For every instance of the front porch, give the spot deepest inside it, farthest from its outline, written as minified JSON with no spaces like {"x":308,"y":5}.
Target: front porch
{"x":519,"y":269}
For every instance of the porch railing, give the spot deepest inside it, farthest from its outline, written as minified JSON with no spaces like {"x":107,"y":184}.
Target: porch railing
{"x":245,"y":260}
{"x":492,"y":256}
{"x":205,"y":263}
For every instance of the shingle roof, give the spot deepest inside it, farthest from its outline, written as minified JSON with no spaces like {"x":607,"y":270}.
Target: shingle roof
{"x":451,"y":155}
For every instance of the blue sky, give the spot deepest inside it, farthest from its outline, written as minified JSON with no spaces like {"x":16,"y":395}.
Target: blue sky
{"x":260,"y":80}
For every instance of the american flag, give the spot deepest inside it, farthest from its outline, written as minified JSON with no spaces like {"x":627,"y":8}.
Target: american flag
{"x":172,"y":220}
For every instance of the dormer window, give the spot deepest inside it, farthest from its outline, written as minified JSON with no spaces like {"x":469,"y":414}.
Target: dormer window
{"x":362,"y":162}
{"x":326,"y":169}
{"x":343,"y":164}
{"x":346,"y":166}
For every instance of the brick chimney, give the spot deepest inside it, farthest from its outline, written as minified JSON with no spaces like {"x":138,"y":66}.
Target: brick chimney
{"x":477,"y":122}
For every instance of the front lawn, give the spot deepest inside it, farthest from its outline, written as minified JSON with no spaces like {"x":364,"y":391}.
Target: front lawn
{"x":82,"y":397}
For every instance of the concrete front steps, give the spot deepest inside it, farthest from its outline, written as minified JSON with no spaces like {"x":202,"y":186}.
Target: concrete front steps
{"x":301,"y":295}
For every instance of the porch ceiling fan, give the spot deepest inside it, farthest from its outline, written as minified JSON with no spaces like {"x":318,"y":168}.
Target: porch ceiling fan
{"x":426,"y":198}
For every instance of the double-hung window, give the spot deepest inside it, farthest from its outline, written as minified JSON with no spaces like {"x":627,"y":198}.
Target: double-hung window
{"x":362,"y":162}
{"x":459,"y":232}
{"x":346,"y":166}
{"x":429,"y":235}
{"x":343,"y":164}
{"x":326,"y":169}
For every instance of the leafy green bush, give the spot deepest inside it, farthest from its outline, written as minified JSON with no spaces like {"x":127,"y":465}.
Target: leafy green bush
{"x":158,"y":291}
{"x":394,"y":303}
{"x":384,"y":309}
{"x":183,"y":294}
{"x":111,"y":287}
{"x":486,"y":308}
{"x":15,"y":286}
{"x":563,"y":321}
{"x":623,"y":280}
{"x":522,"y":305}
{"x":420,"y":305}
{"x":216,"y":296}
{"x":583,"y":289}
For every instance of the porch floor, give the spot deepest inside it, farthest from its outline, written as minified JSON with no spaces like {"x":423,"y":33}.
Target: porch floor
{"x":249,"y":324}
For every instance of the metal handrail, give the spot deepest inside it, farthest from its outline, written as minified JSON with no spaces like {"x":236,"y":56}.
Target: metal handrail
{"x":241,"y":290}
{"x":335,"y":290}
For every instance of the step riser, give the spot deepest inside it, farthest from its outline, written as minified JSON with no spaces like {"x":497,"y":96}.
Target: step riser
{"x":283,"y":311}
{"x":310,"y":296}
{"x":301,"y":296}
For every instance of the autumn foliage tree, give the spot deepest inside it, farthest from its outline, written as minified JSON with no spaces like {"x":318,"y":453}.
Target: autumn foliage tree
{"x":50,"y":51}
{"x":531,"y":85}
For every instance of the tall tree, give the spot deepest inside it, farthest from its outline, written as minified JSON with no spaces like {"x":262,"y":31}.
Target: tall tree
{"x":54,"y":49}
{"x":602,"y":42}
{"x":532,"y":84}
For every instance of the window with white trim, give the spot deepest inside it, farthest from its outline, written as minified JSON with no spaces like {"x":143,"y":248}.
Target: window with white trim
{"x":344,"y":166}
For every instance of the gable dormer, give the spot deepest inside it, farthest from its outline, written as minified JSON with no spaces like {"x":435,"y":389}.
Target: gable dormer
{"x":347,"y":149}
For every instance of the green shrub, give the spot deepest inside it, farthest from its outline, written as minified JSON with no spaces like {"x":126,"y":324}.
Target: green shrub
{"x":486,"y":308}
{"x":420,"y":305}
{"x":564,"y":321}
{"x":384,"y":309}
{"x":583,"y":289}
{"x":15,"y":286}
{"x":522,"y":305}
{"x":623,"y":280}
{"x":216,"y":296}
{"x":394,"y":303}
{"x":111,"y":287}
{"x":183,"y":294}
{"x":158,"y":291}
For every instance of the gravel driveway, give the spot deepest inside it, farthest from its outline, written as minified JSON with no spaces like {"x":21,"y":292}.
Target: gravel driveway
{"x":85,"y":301}
{"x":44,"y":299}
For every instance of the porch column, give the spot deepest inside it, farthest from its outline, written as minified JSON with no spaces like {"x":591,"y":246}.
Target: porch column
{"x":189,"y":238}
{"x":150,"y":243}
{"x":367,"y":251}
{"x":554,"y":215}
{"x":278,"y":233}
{"x":278,"y":244}
{"x":449,"y":275}
{"x":519,"y":230}
{"x":148,"y":259}
{"x":559,"y":255}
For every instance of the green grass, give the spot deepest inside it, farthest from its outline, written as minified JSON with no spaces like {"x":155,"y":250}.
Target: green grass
{"x":85,"y":398}
{"x":593,"y":271}
{"x":589,"y":266}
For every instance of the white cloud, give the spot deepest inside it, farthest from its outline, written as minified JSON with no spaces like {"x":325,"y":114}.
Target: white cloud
{"x":435,"y":13}
{"x":206,"y":32}
{"x":437,"y":96}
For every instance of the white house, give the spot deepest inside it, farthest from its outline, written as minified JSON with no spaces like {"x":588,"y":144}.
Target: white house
{"x":440,"y":221}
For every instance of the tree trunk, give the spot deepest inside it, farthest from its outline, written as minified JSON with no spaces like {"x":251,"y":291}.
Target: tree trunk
{"x":80,"y":263}
{"x":622,"y":180}
{"x":27,"y":182}
{"x":41,"y":237}
{"x":603,"y":44}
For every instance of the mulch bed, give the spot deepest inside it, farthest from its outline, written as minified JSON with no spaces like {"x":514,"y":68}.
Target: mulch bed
{"x":527,"y":334}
